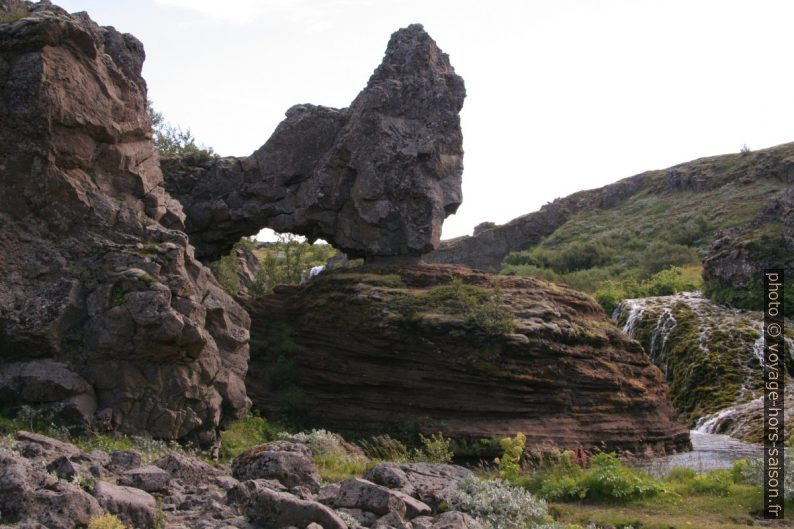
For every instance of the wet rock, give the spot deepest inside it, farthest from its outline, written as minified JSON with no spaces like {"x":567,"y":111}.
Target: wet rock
{"x":149,"y":478}
{"x":376,"y":179}
{"x":133,"y":506}
{"x":269,"y":508}
{"x":289,"y":463}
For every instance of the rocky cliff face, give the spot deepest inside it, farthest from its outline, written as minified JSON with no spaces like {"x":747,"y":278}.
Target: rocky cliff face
{"x":711,"y":356}
{"x":733,"y":269}
{"x":105,"y":315}
{"x":688,"y":183}
{"x":376,"y":179}
{"x":441,"y":347}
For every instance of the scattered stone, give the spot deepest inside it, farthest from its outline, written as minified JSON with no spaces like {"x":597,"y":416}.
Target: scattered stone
{"x":290,"y":463}
{"x":422,"y":522}
{"x":364,"y":518}
{"x":456,"y":520}
{"x":29,"y":496}
{"x":391,"y":521}
{"x":271,"y":508}
{"x":125,"y":460}
{"x":327,"y":494}
{"x":357,"y":493}
{"x":133,"y":506}
{"x":433,"y":483}
{"x":186,"y":468}
{"x":226,"y":482}
{"x":63,"y":468}
{"x":32,"y":445}
{"x":149,"y":478}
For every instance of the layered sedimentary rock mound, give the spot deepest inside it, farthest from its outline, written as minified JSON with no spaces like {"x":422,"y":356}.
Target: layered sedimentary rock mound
{"x":105,"y":315}
{"x":376,"y":179}
{"x":727,"y":190}
{"x":441,"y":347}
{"x":711,"y":355}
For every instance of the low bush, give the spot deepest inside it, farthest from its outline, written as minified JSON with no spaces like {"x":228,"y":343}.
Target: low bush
{"x":497,"y":504}
{"x":607,"y":480}
{"x":336,"y":460}
{"x":510,"y":462}
{"x":433,"y":449}
{"x":108,"y":521}
{"x":246,"y":433}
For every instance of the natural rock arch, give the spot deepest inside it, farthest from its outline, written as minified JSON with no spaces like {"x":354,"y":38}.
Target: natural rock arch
{"x":376,"y":179}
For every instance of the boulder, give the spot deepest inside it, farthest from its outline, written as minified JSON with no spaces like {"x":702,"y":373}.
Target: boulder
{"x":185,"y":468}
{"x":289,"y":463}
{"x":270,"y":508}
{"x":105,"y":314}
{"x":356,"y":493}
{"x":456,"y":520}
{"x":29,"y":496}
{"x":376,"y":179}
{"x":527,"y":356}
{"x":33,"y":445}
{"x":149,"y":478}
{"x":433,"y":483}
{"x":133,"y":506}
{"x":122,"y":460}
{"x":63,"y":468}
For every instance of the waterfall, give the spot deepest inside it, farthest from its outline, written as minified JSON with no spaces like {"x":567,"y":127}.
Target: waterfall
{"x":660,"y":338}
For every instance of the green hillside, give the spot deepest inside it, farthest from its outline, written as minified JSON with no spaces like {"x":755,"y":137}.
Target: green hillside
{"x":654,"y":241}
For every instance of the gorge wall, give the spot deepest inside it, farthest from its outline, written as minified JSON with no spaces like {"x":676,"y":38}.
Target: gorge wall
{"x":106,"y":317}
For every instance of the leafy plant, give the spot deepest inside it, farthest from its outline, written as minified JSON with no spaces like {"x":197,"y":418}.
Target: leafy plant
{"x":226,"y":271}
{"x":172,"y":140}
{"x":510,"y":462}
{"x":434,"y":449}
{"x":108,"y":521}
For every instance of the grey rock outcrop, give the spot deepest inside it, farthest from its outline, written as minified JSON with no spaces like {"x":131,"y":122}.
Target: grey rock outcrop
{"x":289,"y":463}
{"x":133,"y":506}
{"x":376,"y":179}
{"x":99,"y":283}
{"x":431,"y":483}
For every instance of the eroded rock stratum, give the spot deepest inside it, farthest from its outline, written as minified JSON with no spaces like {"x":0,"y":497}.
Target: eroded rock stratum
{"x":376,"y":179}
{"x":105,"y":314}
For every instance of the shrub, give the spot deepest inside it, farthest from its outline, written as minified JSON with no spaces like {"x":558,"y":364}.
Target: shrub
{"x":434,"y":449}
{"x":510,"y":462}
{"x":245,"y":433}
{"x":108,"y":521}
{"x":172,"y":140}
{"x":498,"y":505}
{"x":753,"y":472}
{"x":608,"y":479}
{"x":682,"y":474}
{"x":385,"y":448}
{"x":335,"y":459}
{"x":225,"y":270}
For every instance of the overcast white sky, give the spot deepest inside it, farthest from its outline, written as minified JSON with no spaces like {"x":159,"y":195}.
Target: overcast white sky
{"x":562,"y":95}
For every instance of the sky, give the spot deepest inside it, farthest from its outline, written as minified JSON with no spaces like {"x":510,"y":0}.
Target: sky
{"x":562,"y":95}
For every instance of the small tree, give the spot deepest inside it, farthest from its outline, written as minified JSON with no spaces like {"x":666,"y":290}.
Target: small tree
{"x":172,"y":140}
{"x":510,"y":462}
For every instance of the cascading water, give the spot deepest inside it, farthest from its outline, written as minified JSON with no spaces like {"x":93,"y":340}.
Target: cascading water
{"x":716,"y":334}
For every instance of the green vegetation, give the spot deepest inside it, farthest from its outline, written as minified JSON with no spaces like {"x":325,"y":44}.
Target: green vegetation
{"x":108,"y":521}
{"x":11,"y":16}
{"x":497,"y":504}
{"x":663,"y":283}
{"x":606,"y":480}
{"x":614,"y":252}
{"x":434,"y":449}
{"x":288,"y":261}
{"x":172,"y":140}
{"x":246,"y":433}
{"x":481,"y":306}
{"x":226,"y":271}
{"x":510,"y":462}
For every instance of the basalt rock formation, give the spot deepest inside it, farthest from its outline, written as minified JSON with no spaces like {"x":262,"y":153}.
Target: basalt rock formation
{"x":106,"y":317}
{"x":697,"y":182}
{"x":376,"y":179}
{"x":434,"y":347}
{"x":734,"y":267}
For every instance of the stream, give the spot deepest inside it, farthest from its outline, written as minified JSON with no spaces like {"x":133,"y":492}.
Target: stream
{"x":709,"y":452}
